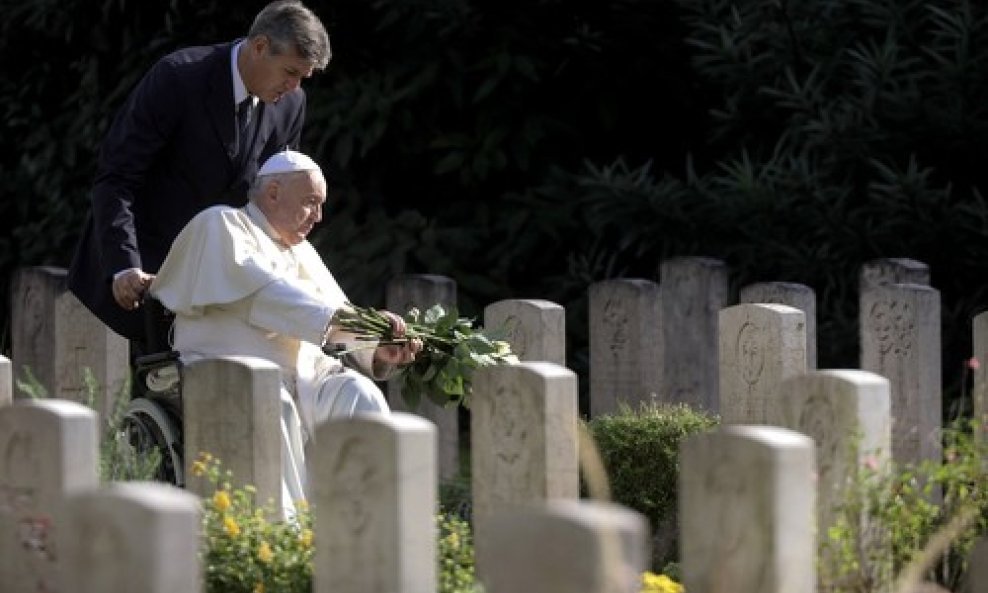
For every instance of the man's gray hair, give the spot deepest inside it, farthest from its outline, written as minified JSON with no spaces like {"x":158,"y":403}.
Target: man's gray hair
{"x":291,"y":26}
{"x":261,"y":181}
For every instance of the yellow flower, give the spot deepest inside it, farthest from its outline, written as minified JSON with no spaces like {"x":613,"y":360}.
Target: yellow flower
{"x":221,"y":500}
{"x":305,"y":537}
{"x":659,"y":583}
{"x":231,"y":527}
{"x":259,"y":588}
{"x":302,"y":505}
{"x":264,"y":553}
{"x":198,"y":468}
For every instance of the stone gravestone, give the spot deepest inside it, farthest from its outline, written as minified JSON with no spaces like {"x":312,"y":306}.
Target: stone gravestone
{"x":48,"y":451}
{"x":422,"y":291}
{"x":232,"y":409}
{"x":788,"y":293}
{"x":6,"y":382}
{"x":523,"y":438}
{"x":979,"y":394}
{"x":564,"y":546}
{"x":900,"y":340}
{"x":746,"y":507}
{"x":848,"y":415}
{"x":692,"y":291}
{"x":57,"y":338}
{"x":893,"y":270}
{"x":374,"y":504}
{"x":760,"y":346}
{"x":130,"y":537}
{"x":535,"y":329}
{"x":624,"y":344}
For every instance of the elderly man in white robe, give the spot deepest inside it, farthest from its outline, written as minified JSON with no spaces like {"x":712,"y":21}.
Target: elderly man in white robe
{"x":244,"y":281}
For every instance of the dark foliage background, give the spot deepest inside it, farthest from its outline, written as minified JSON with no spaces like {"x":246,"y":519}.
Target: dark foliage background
{"x":527,"y":149}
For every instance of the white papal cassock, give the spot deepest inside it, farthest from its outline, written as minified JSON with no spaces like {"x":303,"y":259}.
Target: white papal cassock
{"x":236,"y":289}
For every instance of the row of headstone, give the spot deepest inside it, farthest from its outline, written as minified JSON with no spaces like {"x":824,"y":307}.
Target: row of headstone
{"x":655,"y":341}
{"x":763,"y":482}
{"x":747,"y":498}
{"x":649,"y":341}
{"x":374,"y":483}
{"x":818,"y":412}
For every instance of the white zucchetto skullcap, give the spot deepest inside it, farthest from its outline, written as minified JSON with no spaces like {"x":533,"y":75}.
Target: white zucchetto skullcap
{"x":287,"y":161}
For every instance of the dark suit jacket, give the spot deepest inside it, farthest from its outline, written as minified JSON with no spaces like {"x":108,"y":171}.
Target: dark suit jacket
{"x":170,"y":152}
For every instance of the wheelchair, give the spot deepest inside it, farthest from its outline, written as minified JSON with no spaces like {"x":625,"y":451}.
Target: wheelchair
{"x":153,"y":417}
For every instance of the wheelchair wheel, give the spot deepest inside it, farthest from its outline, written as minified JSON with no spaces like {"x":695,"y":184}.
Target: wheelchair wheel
{"x":148,"y":426}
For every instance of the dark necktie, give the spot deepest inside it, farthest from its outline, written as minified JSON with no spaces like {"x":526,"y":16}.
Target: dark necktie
{"x":244,"y":112}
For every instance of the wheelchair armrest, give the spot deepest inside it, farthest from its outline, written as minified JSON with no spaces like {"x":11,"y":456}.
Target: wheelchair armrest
{"x":156,"y":359}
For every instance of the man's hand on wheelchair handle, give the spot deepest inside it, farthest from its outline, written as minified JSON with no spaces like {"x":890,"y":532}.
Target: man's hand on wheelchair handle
{"x":130,"y":286}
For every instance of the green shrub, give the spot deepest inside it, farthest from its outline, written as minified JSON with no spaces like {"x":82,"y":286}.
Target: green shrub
{"x":456,"y":555}
{"x":118,"y":460}
{"x":640,"y":450}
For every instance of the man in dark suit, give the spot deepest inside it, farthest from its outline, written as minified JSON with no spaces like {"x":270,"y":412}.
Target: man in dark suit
{"x":190,"y":136}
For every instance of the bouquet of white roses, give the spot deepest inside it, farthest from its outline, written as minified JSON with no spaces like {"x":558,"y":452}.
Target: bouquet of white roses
{"x":451,"y":350}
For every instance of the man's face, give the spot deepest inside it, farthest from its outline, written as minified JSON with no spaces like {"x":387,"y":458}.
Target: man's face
{"x":293,"y":205}
{"x":270,"y":75}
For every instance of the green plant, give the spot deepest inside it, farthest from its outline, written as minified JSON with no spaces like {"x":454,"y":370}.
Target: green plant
{"x":456,"y":555}
{"x":118,"y":460}
{"x":640,"y":451}
{"x":894,"y":519}
{"x":244,"y":551}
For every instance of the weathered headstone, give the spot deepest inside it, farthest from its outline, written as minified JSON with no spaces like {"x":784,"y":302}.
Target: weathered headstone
{"x":57,"y":338}
{"x":900,"y":340}
{"x":423,"y":291}
{"x":563,"y":546}
{"x":624,"y":344}
{"x":892,"y":270}
{"x":979,"y":393}
{"x":48,"y":451}
{"x":692,"y":291}
{"x":129,"y":537}
{"x":232,"y":410}
{"x":746,"y":507}
{"x":848,"y":415}
{"x":523,"y":438}
{"x":760,"y":346}
{"x":793,"y":294}
{"x":535,"y":329}
{"x":6,"y":382}
{"x":374,"y":483}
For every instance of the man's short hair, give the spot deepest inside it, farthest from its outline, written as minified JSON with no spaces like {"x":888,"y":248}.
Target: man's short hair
{"x":291,"y":26}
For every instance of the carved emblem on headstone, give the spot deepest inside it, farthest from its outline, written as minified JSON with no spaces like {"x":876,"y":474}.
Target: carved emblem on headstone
{"x":892,"y":323}
{"x":750,"y":352}
{"x":616,"y":320}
